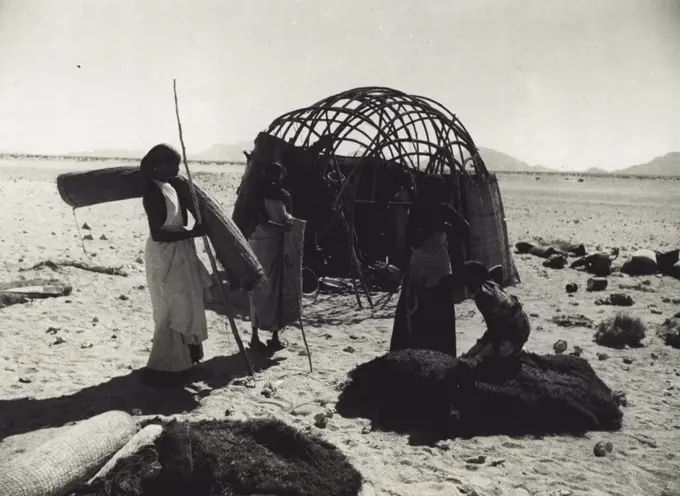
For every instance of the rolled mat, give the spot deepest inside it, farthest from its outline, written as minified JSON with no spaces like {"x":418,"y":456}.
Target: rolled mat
{"x":68,"y":459}
{"x":146,"y":437}
{"x":84,"y":189}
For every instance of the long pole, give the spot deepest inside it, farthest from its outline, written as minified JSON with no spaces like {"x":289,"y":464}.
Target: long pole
{"x":208,"y":250}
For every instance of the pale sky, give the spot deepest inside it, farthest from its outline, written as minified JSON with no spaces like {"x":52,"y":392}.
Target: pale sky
{"x":567,"y":84}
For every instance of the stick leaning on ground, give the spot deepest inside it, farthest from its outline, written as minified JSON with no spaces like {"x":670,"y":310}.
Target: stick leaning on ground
{"x":208,"y":250}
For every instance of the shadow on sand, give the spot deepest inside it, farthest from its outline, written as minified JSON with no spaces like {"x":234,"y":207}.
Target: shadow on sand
{"x":127,"y":393}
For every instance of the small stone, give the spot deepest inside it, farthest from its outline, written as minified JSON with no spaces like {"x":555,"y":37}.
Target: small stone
{"x":602,"y":357}
{"x":85,"y":346}
{"x":88,"y":237}
{"x":327,"y":336}
{"x":320,"y":421}
{"x":653,"y":356}
{"x":95,"y":320}
{"x":560,"y":346}
{"x":366,"y":429}
{"x":353,"y":337}
{"x":268,"y":390}
{"x":139,"y":260}
{"x":628,"y":360}
{"x":25,"y":380}
{"x":620,"y":398}
{"x":476,"y":460}
{"x":113,"y":336}
{"x":59,"y":340}
{"x":123,"y":297}
{"x":349,"y":349}
{"x":600,"y":449}
{"x":578,"y":351}
{"x":496,"y":463}
{"x":655,"y":311}
{"x":228,"y":412}
{"x":534,"y":315}
{"x":571,"y":287}
{"x":52,"y":330}
{"x":103,"y":237}
{"x":86,"y":226}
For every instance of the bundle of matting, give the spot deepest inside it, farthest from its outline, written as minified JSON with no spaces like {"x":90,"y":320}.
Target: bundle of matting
{"x":228,"y":457}
{"x":422,"y":389}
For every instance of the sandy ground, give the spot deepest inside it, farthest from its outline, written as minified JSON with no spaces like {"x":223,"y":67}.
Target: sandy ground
{"x":106,"y":327}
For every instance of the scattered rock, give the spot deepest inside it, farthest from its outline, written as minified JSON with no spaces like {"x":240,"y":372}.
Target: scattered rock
{"x":353,"y":337}
{"x":620,"y":398}
{"x":123,"y":297}
{"x":103,"y":237}
{"x":349,"y":349}
{"x":616,"y":299}
{"x":25,"y":380}
{"x":596,"y":284}
{"x":655,"y":311}
{"x":602,"y":357}
{"x":88,"y":237}
{"x":228,"y":412}
{"x":320,"y":421}
{"x":268,"y":390}
{"x":577,"y":320}
{"x":139,"y":260}
{"x":113,"y":336}
{"x":602,"y":448}
{"x":571,"y":287}
{"x":52,"y":330}
{"x":59,"y":340}
{"x":86,"y":227}
{"x":534,"y":315}
{"x":476,"y":460}
{"x":496,"y":463}
{"x":577,"y":352}
{"x":560,"y":346}
{"x":85,"y":346}
{"x":628,"y":360}
{"x":653,"y":356}
{"x":95,"y":320}
{"x":555,"y":261}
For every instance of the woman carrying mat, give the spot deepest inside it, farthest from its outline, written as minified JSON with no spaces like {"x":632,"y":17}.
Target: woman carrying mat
{"x":268,"y":242}
{"x":425,"y":317}
{"x":175,"y":275}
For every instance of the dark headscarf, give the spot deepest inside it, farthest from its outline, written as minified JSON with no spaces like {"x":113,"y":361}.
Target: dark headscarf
{"x":158,"y":155}
{"x":273,"y":191}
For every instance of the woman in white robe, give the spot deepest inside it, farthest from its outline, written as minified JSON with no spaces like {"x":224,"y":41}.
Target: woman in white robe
{"x":175,"y":276}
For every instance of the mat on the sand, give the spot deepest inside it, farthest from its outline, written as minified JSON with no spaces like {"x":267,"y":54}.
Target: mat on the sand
{"x":227,"y":457}
{"x":83,"y":189}
{"x":421,"y":389}
{"x":69,"y":459}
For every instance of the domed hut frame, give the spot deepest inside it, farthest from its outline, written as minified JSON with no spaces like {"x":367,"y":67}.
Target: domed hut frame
{"x":347,"y":157}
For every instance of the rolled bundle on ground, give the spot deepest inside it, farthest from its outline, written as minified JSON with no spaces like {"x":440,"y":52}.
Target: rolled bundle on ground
{"x":217,"y":457}
{"x":83,"y":189}
{"x":422,"y":389}
{"x":68,"y":459}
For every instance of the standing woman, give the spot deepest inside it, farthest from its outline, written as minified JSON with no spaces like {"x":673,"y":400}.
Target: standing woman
{"x":274,"y":220}
{"x":425,"y":317}
{"x":175,"y":275}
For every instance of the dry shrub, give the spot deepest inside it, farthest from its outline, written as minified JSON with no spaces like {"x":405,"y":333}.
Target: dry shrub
{"x":227,"y":457}
{"x":670,"y":331}
{"x":620,"y":330}
{"x":422,"y":391}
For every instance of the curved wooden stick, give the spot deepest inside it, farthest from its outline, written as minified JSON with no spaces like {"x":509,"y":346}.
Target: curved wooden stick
{"x":208,"y":250}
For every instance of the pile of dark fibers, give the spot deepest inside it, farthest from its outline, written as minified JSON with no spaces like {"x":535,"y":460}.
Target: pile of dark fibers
{"x":227,"y":457}
{"x":413,"y":390}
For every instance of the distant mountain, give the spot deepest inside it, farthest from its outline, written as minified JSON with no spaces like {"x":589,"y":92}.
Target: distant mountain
{"x":666,"y":165}
{"x":501,"y":162}
{"x":225,"y":153}
{"x":595,"y":170}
